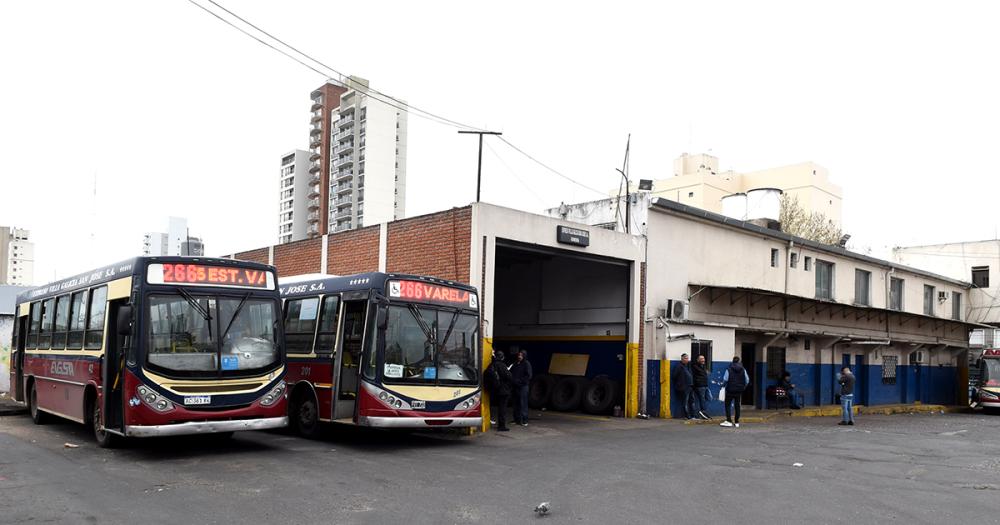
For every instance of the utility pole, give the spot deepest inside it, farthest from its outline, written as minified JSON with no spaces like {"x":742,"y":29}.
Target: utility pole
{"x":628,"y":199}
{"x":479,"y":172}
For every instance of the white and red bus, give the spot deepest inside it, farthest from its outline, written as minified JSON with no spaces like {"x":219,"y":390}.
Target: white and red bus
{"x":382,"y":350}
{"x":154,"y":346}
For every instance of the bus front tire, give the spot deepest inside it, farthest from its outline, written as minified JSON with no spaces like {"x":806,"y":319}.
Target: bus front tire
{"x":37,"y":416}
{"x":305,"y":415}
{"x":103,"y":438}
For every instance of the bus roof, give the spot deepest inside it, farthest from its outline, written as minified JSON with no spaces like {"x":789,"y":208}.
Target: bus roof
{"x":128,"y":267}
{"x":360,"y":281}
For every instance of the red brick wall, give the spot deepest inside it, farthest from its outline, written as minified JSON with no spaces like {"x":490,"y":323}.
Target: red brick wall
{"x":436,"y":245}
{"x":353,"y":251}
{"x":296,"y":258}
{"x":259,"y":255}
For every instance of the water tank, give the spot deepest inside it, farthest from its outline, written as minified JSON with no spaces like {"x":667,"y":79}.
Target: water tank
{"x":764,"y":203}
{"x":735,"y":206}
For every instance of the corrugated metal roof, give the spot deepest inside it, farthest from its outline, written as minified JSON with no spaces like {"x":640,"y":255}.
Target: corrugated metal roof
{"x":8,"y":297}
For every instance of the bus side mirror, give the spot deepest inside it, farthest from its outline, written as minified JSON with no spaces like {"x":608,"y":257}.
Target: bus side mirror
{"x":124,"y":320}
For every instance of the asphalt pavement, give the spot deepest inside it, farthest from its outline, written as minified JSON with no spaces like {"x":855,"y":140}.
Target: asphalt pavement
{"x":926,"y":468}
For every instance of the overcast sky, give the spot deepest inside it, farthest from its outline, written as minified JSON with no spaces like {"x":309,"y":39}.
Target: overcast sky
{"x":173,"y":112}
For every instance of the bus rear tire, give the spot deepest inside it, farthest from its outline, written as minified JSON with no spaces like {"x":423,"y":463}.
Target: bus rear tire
{"x":305,"y":415}
{"x":103,"y":438}
{"x":37,"y":416}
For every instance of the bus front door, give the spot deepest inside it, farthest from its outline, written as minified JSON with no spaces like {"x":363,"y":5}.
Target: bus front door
{"x":113,"y":372}
{"x":17,"y":360}
{"x":348,"y":359}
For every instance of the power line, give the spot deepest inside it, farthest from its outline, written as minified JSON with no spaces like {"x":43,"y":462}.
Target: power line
{"x":343,"y":77}
{"x":505,"y":165}
{"x":542,"y":164}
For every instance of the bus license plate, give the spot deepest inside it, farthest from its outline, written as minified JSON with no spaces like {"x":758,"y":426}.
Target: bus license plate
{"x":197,"y":400}
{"x":417,"y":404}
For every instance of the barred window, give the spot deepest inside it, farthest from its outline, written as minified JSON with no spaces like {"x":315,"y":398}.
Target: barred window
{"x":889,"y":363}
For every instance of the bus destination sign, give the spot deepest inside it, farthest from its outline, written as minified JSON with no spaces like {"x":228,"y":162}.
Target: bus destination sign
{"x":203,"y":274}
{"x":432,"y":293}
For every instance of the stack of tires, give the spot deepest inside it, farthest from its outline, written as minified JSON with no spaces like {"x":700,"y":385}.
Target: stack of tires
{"x":569,"y":394}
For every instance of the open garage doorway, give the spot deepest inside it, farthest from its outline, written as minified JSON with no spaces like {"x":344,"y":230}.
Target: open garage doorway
{"x":570,"y":313}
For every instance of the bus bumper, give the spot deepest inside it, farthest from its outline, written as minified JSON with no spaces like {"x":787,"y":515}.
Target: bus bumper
{"x":205,"y":427}
{"x":420,"y":422}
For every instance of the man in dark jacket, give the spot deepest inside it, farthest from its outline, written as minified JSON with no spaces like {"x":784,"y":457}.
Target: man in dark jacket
{"x":789,"y":387}
{"x":683,"y":381}
{"x":734,"y":381}
{"x":498,"y":383}
{"x":846,"y":381}
{"x":520,"y":373}
{"x":700,"y":386}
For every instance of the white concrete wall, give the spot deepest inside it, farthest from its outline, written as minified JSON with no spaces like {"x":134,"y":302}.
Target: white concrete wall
{"x":956,"y":260}
{"x":300,"y":200}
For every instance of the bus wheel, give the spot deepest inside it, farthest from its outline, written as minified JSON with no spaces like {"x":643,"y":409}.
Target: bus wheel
{"x":37,"y":416}
{"x":104,"y":438}
{"x":305,"y":415}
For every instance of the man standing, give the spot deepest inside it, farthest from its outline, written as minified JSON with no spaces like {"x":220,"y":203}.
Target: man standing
{"x":734,"y":381}
{"x":700,"y":375}
{"x":520,"y":373}
{"x":498,"y":382}
{"x":683,"y":381}
{"x":846,"y":380}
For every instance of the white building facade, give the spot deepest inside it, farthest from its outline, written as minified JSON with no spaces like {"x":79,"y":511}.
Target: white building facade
{"x":293,"y":199}
{"x":176,"y":241}
{"x":977,"y":262}
{"x":17,"y":257}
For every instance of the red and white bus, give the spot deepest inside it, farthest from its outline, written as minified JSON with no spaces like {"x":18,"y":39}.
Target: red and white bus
{"x":382,"y":350}
{"x":154,"y":346}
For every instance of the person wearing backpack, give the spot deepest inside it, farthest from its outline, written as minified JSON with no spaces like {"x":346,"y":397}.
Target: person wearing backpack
{"x":499,"y":384}
{"x":734,"y":381}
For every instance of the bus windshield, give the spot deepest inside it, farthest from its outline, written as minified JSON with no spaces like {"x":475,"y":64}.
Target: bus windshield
{"x":991,"y":372}
{"x":211,"y":335}
{"x":425,"y":345}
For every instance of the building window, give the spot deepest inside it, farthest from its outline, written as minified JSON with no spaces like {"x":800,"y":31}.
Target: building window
{"x":889,"y":363}
{"x":702,"y":347}
{"x":896,"y":294}
{"x":690,"y":194}
{"x":794,"y":262}
{"x":775,"y":362}
{"x":981,"y":276}
{"x":862,"y":287}
{"x":928,"y":299}
{"x":774,"y":257}
{"x":956,"y":306}
{"x":807,"y":264}
{"x":824,"y":280}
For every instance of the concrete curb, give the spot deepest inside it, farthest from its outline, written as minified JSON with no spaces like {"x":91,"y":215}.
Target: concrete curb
{"x":834,"y":411}
{"x":10,"y":408}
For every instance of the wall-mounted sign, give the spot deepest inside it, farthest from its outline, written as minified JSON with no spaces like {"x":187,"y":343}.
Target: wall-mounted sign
{"x":574,"y":236}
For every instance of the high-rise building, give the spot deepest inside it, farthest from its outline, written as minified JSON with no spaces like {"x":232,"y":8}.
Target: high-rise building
{"x":293,"y":202}
{"x":177,"y":241}
{"x":357,"y":163}
{"x":17,"y":257}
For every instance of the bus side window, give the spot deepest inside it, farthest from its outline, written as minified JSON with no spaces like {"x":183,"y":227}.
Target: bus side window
{"x":45,"y":335}
{"x":326,"y":341}
{"x":300,"y":324}
{"x":36,"y":322}
{"x":94,"y":337}
{"x":77,"y":320}
{"x":62,"y":322}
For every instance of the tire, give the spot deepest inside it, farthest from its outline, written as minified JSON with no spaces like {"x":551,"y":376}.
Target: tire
{"x":37,"y":416}
{"x":305,"y":415}
{"x":567,"y":394}
{"x":599,"y":396}
{"x":103,"y":438}
{"x":540,"y":390}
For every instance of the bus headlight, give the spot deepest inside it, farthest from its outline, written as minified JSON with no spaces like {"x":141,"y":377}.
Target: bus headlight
{"x":468,"y":404}
{"x":274,"y":395}
{"x":154,"y":400}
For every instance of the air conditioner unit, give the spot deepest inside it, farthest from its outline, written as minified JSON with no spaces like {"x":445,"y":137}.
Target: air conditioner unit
{"x":676,"y":310}
{"x":942,"y":296}
{"x":918,"y":357}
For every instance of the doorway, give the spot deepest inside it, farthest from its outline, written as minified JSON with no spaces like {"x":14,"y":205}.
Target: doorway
{"x":18,"y":362}
{"x":748,"y":356}
{"x":348,"y":359}
{"x":113,"y":372}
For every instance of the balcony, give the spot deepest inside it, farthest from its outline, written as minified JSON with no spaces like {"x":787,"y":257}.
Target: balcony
{"x":345,"y":147}
{"x":344,"y":161}
{"x":344,"y":226}
{"x":346,"y":104}
{"x":313,"y":191}
{"x":313,"y":204}
{"x":345,"y":121}
{"x":315,"y":179}
{"x":343,"y":175}
{"x":313,"y":217}
{"x":316,"y":141}
{"x":343,"y":201}
{"x":343,"y":188}
{"x":313,"y":229}
{"x":314,"y":156}
{"x":314,"y":167}
{"x":343,"y":213}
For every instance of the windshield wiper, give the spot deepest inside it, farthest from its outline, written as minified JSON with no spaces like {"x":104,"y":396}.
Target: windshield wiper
{"x":239,"y":307}
{"x":428,"y":331}
{"x":205,"y":314}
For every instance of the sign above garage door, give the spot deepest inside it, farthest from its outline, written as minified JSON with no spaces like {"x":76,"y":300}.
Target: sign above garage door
{"x":574,"y":236}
